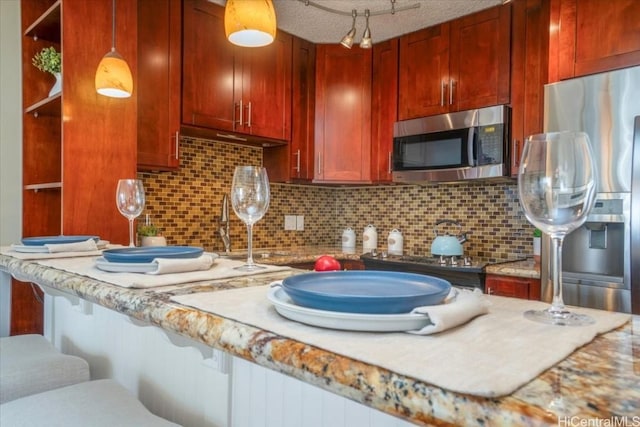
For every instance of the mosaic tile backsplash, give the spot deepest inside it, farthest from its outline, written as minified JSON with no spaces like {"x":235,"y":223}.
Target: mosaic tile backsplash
{"x":186,"y":204}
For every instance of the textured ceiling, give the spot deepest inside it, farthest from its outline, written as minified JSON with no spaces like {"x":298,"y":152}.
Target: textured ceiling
{"x":319,"y":26}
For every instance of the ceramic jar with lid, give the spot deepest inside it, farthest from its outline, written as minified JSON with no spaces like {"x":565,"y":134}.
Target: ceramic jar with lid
{"x":369,"y":239}
{"x":349,"y":240}
{"x":395,"y":242}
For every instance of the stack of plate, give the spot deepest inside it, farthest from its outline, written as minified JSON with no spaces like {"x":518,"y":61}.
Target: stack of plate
{"x":37,"y":244}
{"x":359,"y":300}
{"x":141,"y":259}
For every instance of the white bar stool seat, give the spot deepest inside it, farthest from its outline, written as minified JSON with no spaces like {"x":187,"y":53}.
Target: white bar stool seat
{"x":99,"y":403}
{"x":29,"y":364}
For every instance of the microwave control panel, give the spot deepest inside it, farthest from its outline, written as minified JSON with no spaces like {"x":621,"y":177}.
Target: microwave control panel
{"x":490,"y":144}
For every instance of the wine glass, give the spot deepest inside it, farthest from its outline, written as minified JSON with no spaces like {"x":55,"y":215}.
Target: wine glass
{"x":250,"y":200}
{"x":130,"y":201}
{"x":557,"y":188}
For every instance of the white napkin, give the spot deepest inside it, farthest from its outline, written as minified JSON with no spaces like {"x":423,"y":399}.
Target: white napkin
{"x":87,"y":245}
{"x":182,"y":265}
{"x":464,"y":306}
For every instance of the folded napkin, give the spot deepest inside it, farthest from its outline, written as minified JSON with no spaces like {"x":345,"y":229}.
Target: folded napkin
{"x":182,"y":265}
{"x":464,"y":306}
{"x":87,"y":245}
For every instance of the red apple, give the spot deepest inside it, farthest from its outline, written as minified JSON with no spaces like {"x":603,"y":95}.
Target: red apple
{"x":327,"y":263}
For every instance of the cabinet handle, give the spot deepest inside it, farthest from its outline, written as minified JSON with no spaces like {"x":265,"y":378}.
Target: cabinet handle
{"x":239,"y":104}
{"x":297,"y":168}
{"x":319,"y":163}
{"x":390,"y":160}
{"x":442,"y":86}
{"x":177,"y":137}
{"x":452,"y":84}
{"x":249,"y":114}
{"x":516,"y":161}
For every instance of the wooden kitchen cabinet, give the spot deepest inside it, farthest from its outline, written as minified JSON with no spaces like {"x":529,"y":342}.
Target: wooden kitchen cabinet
{"x":384,"y":108}
{"x":158,"y":84}
{"x":343,"y":115}
{"x":294,"y":162}
{"x":231,"y":88}
{"x":511,"y":286}
{"x":71,"y":167}
{"x":458,"y":65}
{"x":529,"y":73}
{"x":593,"y":36}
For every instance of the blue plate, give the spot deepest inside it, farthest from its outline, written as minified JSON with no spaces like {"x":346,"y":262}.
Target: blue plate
{"x":374,"y":292}
{"x":149,"y":253}
{"x":50,"y":240}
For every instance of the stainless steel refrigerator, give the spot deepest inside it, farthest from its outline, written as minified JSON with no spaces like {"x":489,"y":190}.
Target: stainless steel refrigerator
{"x":601,"y":259}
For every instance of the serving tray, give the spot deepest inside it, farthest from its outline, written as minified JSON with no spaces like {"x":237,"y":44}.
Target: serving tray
{"x":370,"y":291}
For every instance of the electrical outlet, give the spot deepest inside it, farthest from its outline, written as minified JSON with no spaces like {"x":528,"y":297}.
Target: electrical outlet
{"x":289,"y":222}
{"x":300,"y":222}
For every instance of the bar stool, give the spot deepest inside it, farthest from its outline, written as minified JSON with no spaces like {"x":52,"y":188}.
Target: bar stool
{"x":29,"y":364}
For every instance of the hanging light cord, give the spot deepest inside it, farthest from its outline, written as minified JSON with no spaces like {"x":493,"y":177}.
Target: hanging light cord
{"x":391,"y":11}
{"x":113,"y":27}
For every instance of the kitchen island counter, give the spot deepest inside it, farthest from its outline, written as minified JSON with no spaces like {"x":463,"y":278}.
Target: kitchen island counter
{"x":599,"y":380}
{"x":521,"y":268}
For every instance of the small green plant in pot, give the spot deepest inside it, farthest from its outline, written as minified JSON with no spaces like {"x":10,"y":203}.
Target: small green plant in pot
{"x":48,"y":60}
{"x":150,"y":235}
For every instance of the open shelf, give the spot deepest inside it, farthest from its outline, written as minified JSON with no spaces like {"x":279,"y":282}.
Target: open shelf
{"x":44,"y":186}
{"x":47,"y":26}
{"x":51,"y":106}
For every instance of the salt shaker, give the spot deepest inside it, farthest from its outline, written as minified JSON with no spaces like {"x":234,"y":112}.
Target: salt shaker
{"x":369,"y":239}
{"x":395,"y":242}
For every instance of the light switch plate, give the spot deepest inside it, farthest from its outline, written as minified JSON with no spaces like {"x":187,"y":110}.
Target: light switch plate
{"x":300,"y":222}
{"x":289,"y":222}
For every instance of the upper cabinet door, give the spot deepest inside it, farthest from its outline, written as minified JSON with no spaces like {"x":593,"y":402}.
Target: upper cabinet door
{"x":207,"y":69}
{"x":593,"y":36}
{"x":343,"y":114}
{"x":266,"y":89}
{"x":480,"y":59}
{"x":424,"y":73}
{"x":158,"y":84}
{"x":384,"y":108}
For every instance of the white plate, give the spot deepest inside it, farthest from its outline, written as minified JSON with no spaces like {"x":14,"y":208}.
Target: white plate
{"x":42,"y":249}
{"x":125,"y":267}
{"x":344,"y":321}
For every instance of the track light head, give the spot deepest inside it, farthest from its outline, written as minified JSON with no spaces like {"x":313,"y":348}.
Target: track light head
{"x":347,"y":40}
{"x":366,"y":43}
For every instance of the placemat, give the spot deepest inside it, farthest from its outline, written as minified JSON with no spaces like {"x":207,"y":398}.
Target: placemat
{"x":221,"y":269}
{"x":492,"y":355}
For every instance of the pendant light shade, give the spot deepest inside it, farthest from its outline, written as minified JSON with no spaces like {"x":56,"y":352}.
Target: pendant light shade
{"x":113,"y":76}
{"x":250,"y":23}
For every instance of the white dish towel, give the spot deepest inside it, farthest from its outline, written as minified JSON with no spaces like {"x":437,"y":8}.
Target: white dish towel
{"x":464,"y":306}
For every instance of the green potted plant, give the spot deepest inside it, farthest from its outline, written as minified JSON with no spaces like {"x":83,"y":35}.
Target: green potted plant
{"x":150,"y":235}
{"x":50,"y":61}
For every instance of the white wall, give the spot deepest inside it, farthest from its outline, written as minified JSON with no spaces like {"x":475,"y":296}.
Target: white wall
{"x":10,"y":141}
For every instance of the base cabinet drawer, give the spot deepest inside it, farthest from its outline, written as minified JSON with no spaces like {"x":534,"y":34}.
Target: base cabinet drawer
{"x":515,"y":287}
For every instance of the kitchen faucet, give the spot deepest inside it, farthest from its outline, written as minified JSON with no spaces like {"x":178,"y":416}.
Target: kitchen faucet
{"x":223,"y":227}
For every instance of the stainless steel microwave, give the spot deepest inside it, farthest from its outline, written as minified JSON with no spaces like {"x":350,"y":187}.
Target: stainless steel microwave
{"x":456,"y":146}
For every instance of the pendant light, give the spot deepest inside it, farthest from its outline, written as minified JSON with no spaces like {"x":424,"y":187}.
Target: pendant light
{"x":250,"y":23}
{"x":113,"y":76}
{"x":365,"y":43}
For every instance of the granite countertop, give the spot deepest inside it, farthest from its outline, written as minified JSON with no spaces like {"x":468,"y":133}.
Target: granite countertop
{"x":523,"y":268}
{"x":600,"y":380}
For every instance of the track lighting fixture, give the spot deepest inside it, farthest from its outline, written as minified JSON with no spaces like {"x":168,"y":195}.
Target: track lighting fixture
{"x":347,"y":40}
{"x":366,"y":42}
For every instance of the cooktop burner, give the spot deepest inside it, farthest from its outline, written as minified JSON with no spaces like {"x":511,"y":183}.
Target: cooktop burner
{"x":459,"y":271}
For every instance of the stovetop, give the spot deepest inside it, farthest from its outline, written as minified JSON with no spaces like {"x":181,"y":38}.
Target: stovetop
{"x":428,"y":262}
